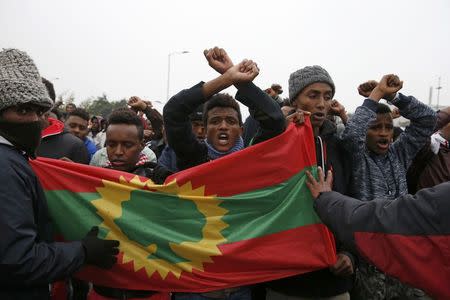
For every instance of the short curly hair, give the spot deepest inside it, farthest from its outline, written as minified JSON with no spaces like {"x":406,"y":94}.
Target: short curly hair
{"x":126,"y":116}
{"x":221,"y":100}
{"x":79,"y":112}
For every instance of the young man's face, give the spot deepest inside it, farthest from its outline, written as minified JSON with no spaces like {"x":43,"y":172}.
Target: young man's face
{"x":223,"y":128}
{"x":271,"y":92}
{"x":77,"y":126}
{"x":95,"y":124}
{"x":315,"y":98}
{"x":70,"y":108}
{"x":198,"y":128}
{"x":380,"y":134}
{"x":24,"y":113}
{"x":123,"y":146}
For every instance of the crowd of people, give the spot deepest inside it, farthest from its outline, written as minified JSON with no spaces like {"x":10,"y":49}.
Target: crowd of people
{"x":361,"y":153}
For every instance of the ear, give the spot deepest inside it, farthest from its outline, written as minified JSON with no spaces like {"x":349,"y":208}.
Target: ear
{"x":294,"y":102}
{"x":241,"y":130}
{"x":142,"y":144}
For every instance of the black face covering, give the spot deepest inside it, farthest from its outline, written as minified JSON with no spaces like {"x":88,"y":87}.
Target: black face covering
{"x":24,"y":136}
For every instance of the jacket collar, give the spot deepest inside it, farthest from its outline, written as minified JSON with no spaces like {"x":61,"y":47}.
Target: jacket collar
{"x":328,"y":128}
{"x":55,"y":127}
{"x":5,"y":141}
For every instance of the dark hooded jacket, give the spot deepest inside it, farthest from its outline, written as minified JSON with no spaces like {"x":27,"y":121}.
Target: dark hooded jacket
{"x":189,"y":150}
{"x":57,"y":143}
{"x":407,"y":238}
{"x":29,"y":260}
{"x":323,"y":283}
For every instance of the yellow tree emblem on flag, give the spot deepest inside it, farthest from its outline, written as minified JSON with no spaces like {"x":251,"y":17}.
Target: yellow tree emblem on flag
{"x":138,"y":246}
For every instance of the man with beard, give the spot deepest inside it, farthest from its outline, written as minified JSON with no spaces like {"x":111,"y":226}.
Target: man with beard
{"x":380,"y":165}
{"x":29,"y":260}
{"x":311,"y":92}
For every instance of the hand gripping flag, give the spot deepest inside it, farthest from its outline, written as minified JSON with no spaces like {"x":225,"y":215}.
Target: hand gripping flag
{"x":238,"y":220}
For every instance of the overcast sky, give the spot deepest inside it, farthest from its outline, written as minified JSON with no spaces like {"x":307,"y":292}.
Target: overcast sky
{"x":121,"y":47}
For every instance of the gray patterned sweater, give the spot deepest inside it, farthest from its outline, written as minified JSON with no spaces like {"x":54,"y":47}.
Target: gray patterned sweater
{"x":384,"y":176}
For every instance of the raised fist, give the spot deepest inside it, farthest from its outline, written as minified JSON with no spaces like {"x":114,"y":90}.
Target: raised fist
{"x":245,"y":71}
{"x":218,"y":59}
{"x":137,"y":103}
{"x":336,"y":108}
{"x":364,"y":89}
{"x":389,"y":85}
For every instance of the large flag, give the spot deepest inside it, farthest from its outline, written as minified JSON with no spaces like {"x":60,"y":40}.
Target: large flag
{"x":238,"y":220}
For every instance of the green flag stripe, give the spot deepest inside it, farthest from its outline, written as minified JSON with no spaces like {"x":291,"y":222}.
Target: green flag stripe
{"x":259,"y":213}
{"x":75,"y":213}
{"x":253,"y":214}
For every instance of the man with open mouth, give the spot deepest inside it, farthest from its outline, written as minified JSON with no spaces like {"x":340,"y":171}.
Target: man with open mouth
{"x":223,"y":124}
{"x":379,"y":165}
{"x":311,"y":92}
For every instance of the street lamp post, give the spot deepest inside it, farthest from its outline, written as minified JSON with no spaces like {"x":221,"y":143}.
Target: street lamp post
{"x":168,"y":69}
{"x":439,"y":87}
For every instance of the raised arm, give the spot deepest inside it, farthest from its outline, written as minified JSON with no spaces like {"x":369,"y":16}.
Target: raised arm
{"x":189,"y":150}
{"x":261,"y":106}
{"x":355,"y":132}
{"x":152,"y":114}
{"x":416,"y":135}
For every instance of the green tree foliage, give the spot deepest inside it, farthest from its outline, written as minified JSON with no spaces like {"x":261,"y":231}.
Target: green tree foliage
{"x":101,"y":106}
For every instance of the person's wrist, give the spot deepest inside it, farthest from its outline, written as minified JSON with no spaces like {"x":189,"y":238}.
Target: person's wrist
{"x":376,"y":94}
{"x":228,"y":78}
{"x":221,"y":70}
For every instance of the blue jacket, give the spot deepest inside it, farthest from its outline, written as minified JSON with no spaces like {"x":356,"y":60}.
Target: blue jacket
{"x":168,"y":159}
{"x":90,"y":147}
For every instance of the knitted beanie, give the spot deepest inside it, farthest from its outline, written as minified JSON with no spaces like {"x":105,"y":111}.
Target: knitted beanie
{"x":20,"y":81}
{"x":306,"y":76}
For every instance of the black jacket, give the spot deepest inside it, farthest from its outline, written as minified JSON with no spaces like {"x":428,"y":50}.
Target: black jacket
{"x":323,"y":283}
{"x":29,"y":261}
{"x":63,"y":144}
{"x":189,"y":151}
{"x":407,"y":237}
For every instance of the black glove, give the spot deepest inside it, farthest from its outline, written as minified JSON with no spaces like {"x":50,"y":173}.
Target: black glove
{"x":98,"y":252}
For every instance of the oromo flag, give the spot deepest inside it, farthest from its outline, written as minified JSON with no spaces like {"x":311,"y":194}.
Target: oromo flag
{"x":238,"y":220}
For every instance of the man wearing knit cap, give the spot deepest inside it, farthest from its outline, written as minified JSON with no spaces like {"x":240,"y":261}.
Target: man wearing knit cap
{"x":29,"y":261}
{"x":311,"y":91}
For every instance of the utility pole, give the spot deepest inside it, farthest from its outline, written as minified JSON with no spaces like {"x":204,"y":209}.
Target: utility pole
{"x":439,"y":87}
{"x":430,"y":96}
{"x":169,"y":56}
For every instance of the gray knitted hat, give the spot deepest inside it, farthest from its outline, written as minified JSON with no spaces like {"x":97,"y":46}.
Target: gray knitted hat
{"x":20,"y":81}
{"x":306,"y":76}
